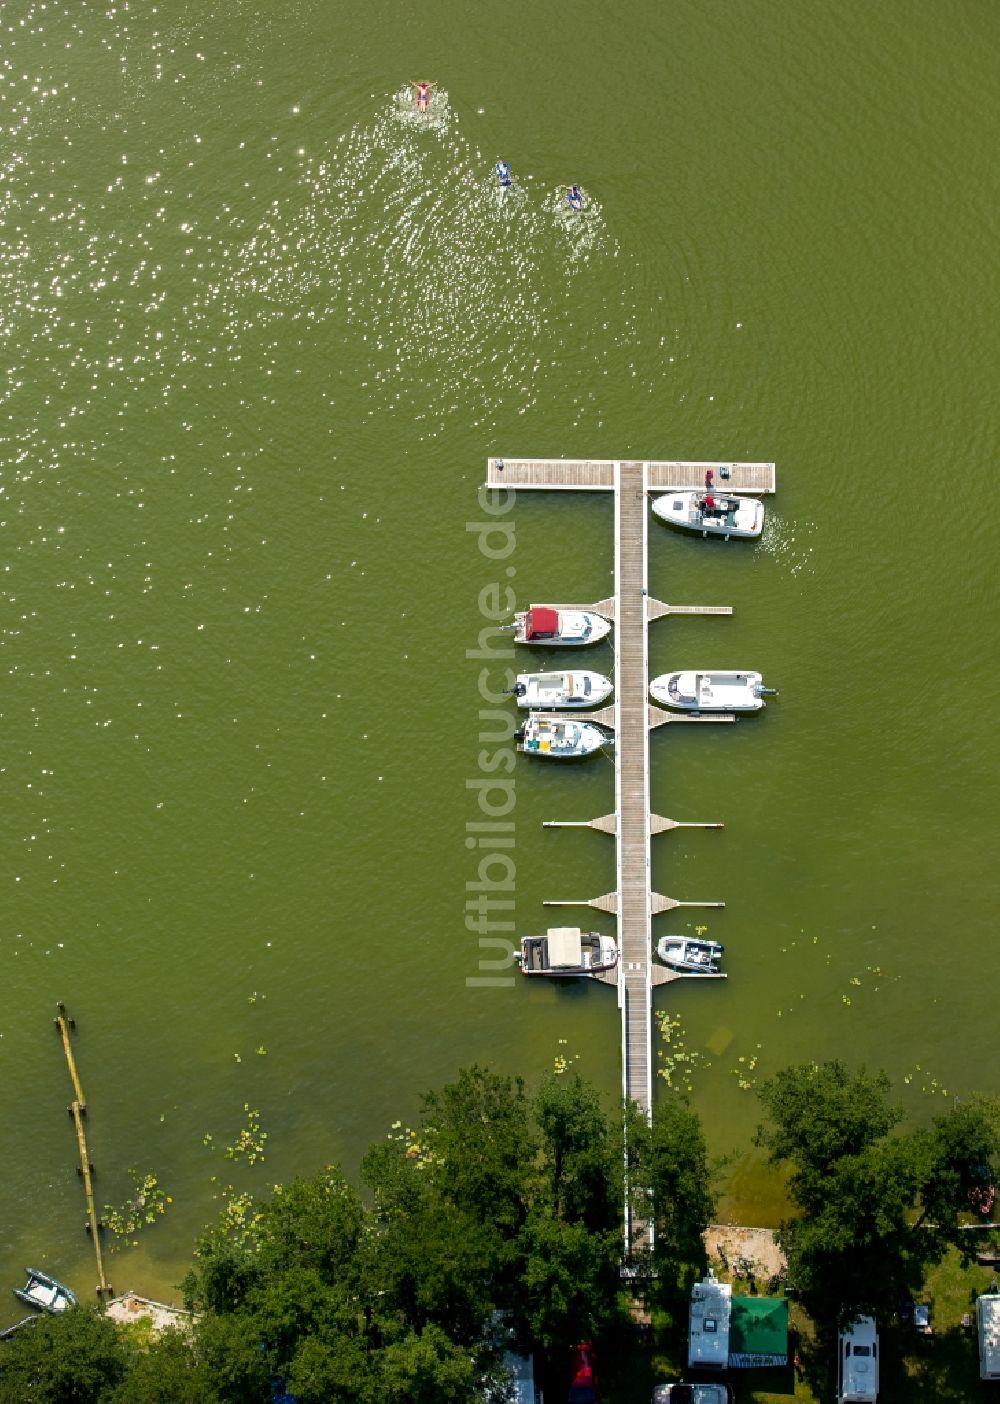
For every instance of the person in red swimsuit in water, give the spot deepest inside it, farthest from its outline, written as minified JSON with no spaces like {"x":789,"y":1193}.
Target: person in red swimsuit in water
{"x":423,"y":92}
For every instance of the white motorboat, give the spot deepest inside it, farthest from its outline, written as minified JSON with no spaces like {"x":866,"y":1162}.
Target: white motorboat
{"x":45,"y":1292}
{"x":711,"y":692}
{"x":566,"y":950}
{"x":559,"y":628}
{"x":689,"y":954}
{"x":554,"y":690}
{"x":559,"y":739}
{"x":711,"y":513}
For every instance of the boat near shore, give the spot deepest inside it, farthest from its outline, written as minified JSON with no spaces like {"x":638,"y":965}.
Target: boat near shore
{"x":45,"y":1293}
{"x":711,"y":691}
{"x":554,"y":691}
{"x":568,"y":951}
{"x":548,"y":627}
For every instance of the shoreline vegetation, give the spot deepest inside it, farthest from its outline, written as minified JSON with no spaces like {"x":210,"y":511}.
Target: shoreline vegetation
{"x":495,"y":1222}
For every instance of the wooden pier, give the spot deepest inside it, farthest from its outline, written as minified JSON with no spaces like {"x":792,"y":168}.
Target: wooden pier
{"x":77,"y":1110}
{"x":588,"y":474}
{"x":633,"y":903}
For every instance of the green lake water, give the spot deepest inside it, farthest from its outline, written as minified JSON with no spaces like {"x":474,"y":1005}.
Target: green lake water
{"x":261,"y":327}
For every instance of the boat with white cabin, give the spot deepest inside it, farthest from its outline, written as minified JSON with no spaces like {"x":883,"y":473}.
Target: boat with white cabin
{"x":548,"y":691}
{"x":566,"y":950}
{"x":712,"y":513}
{"x":559,"y":738}
{"x":711,"y":691}
{"x":548,"y":627}
{"x":687,"y":953}
{"x":45,"y":1293}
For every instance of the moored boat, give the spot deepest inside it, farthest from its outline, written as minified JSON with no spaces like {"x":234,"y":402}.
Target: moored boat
{"x":45,"y":1292}
{"x":690,"y":954}
{"x":711,"y":513}
{"x":549,"y":627}
{"x":717,"y":691}
{"x":566,"y":950}
{"x":554,"y":690}
{"x":559,"y":739}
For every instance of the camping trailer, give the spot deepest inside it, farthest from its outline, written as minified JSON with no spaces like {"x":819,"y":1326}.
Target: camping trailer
{"x":709,"y":1319}
{"x":857,"y":1363}
{"x":988,"y":1330}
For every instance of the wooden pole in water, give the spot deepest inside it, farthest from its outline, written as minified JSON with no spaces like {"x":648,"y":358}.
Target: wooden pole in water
{"x":77,"y":1111}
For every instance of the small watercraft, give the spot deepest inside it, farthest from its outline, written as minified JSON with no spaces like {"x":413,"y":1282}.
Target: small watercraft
{"x":689,"y":954}
{"x":45,"y":1292}
{"x":549,"y":691}
{"x":503,"y":175}
{"x":711,"y":513}
{"x":556,"y":739}
{"x":566,"y":950}
{"x":559,"y":628}
{"x":711,"y":692}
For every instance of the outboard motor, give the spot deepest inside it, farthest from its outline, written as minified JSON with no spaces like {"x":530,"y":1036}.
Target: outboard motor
{"x":761,"y":691}
{"x":520,"y":689}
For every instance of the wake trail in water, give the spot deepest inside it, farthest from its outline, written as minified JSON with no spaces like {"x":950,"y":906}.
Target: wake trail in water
{"x":441,"y":282}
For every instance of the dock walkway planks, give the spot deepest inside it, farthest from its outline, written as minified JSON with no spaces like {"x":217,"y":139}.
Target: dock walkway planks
{"x":588,"y":474}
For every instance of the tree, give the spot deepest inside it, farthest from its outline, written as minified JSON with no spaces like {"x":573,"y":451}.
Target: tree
{"x":856,"y":1245}
{"x":226,"y":1270}
{"x":820,"y":1113}
{"x":582,"y":1154}
{"x":69,"y":1359}
{"x":166,"y":1370}
{"x":332,"y":1371}
{"x":312,"y":1224}
{"x":231,"y":1348}
{"x":855,"y":1251}
{"x":673,"y":1160}
{"x":567,"y":1282}
{"x":479,"y":1133}
{"x":435,"y":1264}
{"x":427,"y":1368}
{"x":961,"y":1150}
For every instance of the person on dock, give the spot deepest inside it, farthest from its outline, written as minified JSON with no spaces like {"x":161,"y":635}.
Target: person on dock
{"x":574,"y":197}
{"x":423,"y":95}
{"x":504,"y":177}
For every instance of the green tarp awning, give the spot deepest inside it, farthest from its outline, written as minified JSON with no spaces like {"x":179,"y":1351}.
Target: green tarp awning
{"x":758,"y":1332}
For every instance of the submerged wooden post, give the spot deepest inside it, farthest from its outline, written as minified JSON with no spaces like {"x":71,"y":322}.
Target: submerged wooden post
{"x":77,"y":1110}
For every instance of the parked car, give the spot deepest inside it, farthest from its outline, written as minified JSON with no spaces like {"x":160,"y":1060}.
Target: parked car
{"x":583,"y":1377}
{"x":693,"y":1394}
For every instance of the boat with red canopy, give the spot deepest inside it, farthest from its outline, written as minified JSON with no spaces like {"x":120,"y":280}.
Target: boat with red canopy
{"x":549,"y":627}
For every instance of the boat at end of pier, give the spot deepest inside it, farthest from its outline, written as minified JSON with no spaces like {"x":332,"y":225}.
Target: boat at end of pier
{"x":549,"y":627}
{"x":711,"y":691}
{"x":45,"y":1292}
{"x":556,"y":690}
{"x":557,"y":738}
{"x":711,"y":513}
{"x":566,"y":950}
{"x":693,"y":956}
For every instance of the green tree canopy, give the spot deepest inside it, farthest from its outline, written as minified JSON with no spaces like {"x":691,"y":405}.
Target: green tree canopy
{"x":877,"y":1206}
{"x":582,"y":1153}
{"x":71,"y":1359}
